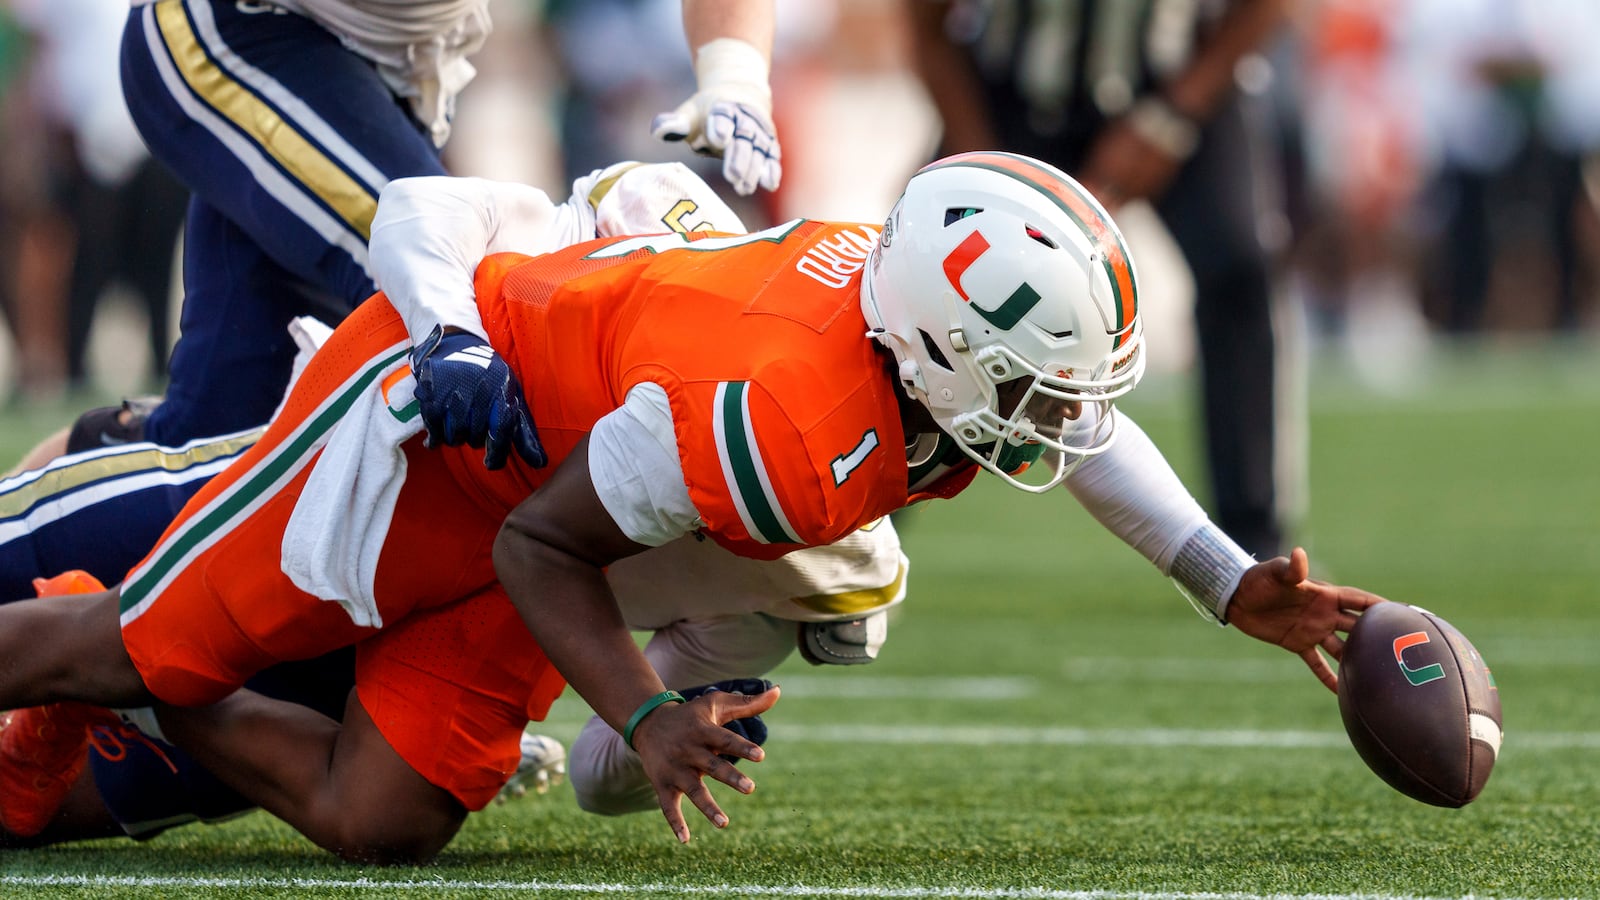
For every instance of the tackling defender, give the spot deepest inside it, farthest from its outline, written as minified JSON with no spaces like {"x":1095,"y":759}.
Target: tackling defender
{"x":286,"y":119}
{"x":770,"y":392}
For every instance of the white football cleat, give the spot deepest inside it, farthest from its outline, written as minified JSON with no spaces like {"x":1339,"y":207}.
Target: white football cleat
{"x":544,"y":763}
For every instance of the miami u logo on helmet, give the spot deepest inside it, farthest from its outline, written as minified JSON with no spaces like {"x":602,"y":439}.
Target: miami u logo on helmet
{"x":1008,"y":314}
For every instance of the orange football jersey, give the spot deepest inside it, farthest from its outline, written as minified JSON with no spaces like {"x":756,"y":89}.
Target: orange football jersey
{"x":788,"y":428}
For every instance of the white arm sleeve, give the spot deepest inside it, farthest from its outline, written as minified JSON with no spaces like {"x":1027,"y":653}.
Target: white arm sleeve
{"x":633,"y":460}
{"x":1133,"y":492}
{"x":430,"y":233}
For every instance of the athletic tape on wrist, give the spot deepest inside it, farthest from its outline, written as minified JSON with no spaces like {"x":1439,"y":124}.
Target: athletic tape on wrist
{"x":1173,"y":133}
{"x":737,"y":65}
{"x":1207,"y":569}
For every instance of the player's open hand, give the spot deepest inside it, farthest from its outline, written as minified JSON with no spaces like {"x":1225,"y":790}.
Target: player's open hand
{"x":680,"y":744}
{"x":1277,"y":602}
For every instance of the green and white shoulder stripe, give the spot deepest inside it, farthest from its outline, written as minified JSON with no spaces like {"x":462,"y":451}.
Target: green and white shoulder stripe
{"x":251,"y":491}
{"x":746,"y":473}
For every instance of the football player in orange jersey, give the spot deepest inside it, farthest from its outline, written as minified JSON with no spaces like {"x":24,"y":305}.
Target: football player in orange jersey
{"x":716,"y":619}
{"x":770,"y":391}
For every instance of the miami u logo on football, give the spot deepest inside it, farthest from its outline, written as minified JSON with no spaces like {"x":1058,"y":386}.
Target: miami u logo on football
{"x":1421,"y":674}
{"x":1009,"y":313}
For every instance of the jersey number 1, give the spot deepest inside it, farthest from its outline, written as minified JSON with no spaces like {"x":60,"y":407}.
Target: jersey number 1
{"x":844,"y":465}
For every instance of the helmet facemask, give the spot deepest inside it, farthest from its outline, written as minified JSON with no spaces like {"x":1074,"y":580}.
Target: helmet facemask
{"x":1007,"y":297}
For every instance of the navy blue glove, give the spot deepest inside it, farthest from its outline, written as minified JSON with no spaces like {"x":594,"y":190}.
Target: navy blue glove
{"x":751,"y":728}
{"x":468,"y":395}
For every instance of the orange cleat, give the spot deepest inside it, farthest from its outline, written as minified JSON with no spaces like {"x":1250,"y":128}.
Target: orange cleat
{"x":43,"y":749}
{"x":74,"y":581}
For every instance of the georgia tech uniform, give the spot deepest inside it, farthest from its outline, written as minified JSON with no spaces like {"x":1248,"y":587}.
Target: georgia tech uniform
{"x":285,"y":121}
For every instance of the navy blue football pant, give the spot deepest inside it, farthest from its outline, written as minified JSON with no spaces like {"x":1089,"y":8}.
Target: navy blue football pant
{"x":284,"y":138}
{"x":1213,"y":209}
{"x":101,"y":511}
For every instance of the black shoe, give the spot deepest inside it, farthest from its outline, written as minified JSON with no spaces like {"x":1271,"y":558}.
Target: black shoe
{"x":111,"y":426}
{"x":751,"y":728}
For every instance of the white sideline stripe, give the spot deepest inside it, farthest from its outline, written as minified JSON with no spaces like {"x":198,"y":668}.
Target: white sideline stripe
{"x":1122,"y":668}
{"x":1106,"y":737}
{"x":900,"y":687}
{"x":1126,"y":737}
{"x":722,"y":890}
{"x":565,"y":717}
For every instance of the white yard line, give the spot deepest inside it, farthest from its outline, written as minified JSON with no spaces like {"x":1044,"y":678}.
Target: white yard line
{"x":1002,"y":735}
{"x":995,"y":735}
{"x":719,"y":890}
{"x":895,"y":687}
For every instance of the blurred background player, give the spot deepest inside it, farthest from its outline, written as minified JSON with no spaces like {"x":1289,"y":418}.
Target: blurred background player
{"x":1142,"y":101}
{"x":87,"y":209}
{"x":125,"y":208}
{"x":1510,"y":92}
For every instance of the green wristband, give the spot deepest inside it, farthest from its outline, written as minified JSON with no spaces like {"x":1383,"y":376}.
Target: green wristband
{"x":645,"y":709}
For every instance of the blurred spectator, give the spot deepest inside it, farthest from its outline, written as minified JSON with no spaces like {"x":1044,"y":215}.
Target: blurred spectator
{"x":118,"y":210}
{"x":1511,"y":95}
{"x":1365,"y":157}
{"x":855,"y":115}
{"x":619,"y":72}
{"x":35,"y":238}
{"x":1142,"y":102}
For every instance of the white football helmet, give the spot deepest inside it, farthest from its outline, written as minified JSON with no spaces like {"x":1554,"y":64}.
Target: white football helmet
{"x":995,"y":267}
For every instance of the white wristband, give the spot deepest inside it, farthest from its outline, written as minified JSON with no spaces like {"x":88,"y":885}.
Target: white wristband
{"x":1168,"y":130}
{"x":1207,"y":569}
{"x":736,"y":69}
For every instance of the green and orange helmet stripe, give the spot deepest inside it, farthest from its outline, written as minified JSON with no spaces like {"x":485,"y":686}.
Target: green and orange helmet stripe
{"x":1082,"y":209}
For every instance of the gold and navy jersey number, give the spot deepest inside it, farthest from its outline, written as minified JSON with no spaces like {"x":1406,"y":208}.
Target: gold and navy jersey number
{"x":661,"y":243}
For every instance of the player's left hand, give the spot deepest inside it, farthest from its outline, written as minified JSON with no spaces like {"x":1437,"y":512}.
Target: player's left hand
{"x":680,"y":744}
{"x":1277,"y":602}
{"x":740,"y":133}
{"x":468,"y":395}
{"x":730,"y":115}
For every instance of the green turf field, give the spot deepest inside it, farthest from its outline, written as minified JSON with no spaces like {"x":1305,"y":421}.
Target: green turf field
{"x":1050,"y":720}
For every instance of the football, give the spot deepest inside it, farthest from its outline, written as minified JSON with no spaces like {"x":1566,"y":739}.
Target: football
{"x":1419,"y":704}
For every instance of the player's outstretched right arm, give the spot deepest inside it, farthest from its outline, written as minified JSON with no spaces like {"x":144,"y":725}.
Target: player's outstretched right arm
{"x":1134,"y":493}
